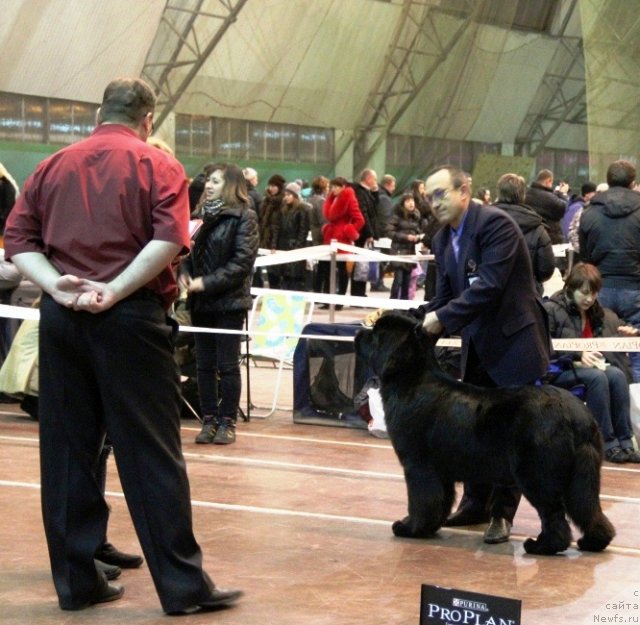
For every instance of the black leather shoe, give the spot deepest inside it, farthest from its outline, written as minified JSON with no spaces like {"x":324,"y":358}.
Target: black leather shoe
{"x":498,"y":531}
{"x":110,"y":571}
{"x":110,"y":555}
{"x":109,"y":592}
{"x":467,"y":516}
{"x":220,"y":598}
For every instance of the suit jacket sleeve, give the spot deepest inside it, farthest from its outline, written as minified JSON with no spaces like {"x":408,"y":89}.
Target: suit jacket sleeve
{"x":494,"y":252}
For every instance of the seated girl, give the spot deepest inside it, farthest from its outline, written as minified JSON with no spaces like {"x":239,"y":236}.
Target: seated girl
{"x":575,"y":312}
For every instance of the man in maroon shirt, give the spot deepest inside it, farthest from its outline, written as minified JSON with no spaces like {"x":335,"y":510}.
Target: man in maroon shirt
{"x":97,"y":227}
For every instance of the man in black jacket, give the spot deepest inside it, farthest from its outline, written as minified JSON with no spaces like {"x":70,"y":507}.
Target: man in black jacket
{"x":367,"y":202}
{"x":384,"y":210}
{"x":610,"y":239}
{"x":550,"y":206}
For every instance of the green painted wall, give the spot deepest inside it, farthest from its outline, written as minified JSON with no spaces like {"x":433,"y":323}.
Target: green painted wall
{"x":21,"y":159}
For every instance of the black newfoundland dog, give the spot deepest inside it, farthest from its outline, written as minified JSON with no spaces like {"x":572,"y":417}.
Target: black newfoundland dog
{"x":542,"y":439}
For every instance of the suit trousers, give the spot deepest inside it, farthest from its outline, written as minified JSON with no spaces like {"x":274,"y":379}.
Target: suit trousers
{"x":499,"y":501}
{"x":113,"y":373}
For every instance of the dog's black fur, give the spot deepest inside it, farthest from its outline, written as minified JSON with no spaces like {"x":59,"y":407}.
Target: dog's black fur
{"x":542,"y":439}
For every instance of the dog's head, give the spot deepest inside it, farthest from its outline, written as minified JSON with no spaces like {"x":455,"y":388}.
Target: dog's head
{"x":396,"y":344}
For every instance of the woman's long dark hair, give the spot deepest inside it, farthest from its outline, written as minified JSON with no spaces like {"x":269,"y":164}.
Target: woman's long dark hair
{"x":235,"y":186}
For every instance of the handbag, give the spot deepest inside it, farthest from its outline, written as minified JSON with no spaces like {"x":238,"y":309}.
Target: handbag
{"x":560,"y":365}
{"x":360,"y":271}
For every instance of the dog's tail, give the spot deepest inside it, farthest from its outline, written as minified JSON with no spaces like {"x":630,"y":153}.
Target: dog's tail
{"x":583,"y":495}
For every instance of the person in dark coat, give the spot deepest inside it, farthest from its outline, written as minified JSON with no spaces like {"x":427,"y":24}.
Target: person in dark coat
{"x":319,"y":189}
{"x":405,"y":229}
{"x":8,"y":193}
{"x":217,"y":276}
{"x":609,"y":235}
{"x":548,"y":204}
{"x":367,"y":201}
{"x":575,"y":312}
{"x":485,"y":293}
{"x":293,"y":230}
{"x":269,"y":222}
{"x":511,"y":194}
{"x":251,"y":178}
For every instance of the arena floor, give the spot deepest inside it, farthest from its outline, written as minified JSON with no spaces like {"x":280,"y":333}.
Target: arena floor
{"x":299,"y":517}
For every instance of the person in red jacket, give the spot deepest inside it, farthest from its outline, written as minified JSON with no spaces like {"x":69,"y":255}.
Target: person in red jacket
{"x":344,"y":222}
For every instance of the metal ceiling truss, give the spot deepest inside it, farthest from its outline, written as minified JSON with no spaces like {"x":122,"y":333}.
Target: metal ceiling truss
{"x":417,"y":50}
{"x":565,"y":90}
{"x":567,"y":103}
{"x":186,"y":37}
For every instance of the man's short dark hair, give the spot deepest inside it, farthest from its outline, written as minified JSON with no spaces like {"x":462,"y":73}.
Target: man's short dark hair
{"x":587,"y":187}
{"x":511,"y":189}
{"x":621,"y":174}
{"x":458,"y":177}
{"x":126,"y":101}
{"x":544,"y":174}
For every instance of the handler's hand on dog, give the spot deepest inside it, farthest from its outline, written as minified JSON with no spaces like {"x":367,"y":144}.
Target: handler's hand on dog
{"x":431,"y":324}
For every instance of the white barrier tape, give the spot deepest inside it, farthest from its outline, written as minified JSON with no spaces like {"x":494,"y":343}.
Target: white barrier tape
{"x":560,"y":250}
{"x":610,"y":344}
{"x":19,"y":312}
{"x":345,"y":300}
{"x":267,"y":258}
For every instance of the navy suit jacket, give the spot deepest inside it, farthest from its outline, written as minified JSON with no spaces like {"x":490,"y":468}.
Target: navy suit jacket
{"x":489,"y":297}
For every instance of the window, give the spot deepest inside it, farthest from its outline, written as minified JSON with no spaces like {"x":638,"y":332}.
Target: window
{"x":237,"y":139}
{"x":44,"y":120}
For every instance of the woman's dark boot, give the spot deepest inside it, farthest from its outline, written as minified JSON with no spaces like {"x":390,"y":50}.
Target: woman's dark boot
{"x":226,"y":433}
{"x":208,"y":431}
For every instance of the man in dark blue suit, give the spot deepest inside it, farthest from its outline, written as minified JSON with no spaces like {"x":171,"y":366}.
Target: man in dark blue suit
{"x":485,"y":292}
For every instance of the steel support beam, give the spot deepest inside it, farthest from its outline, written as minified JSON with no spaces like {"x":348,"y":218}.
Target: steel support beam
{"x":179,"y":45}
{"x":416,"y":51}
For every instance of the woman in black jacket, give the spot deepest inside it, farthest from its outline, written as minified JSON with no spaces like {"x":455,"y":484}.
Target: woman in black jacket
{"x":405,"y":229}
{"x":575,"y":312}
{"x":217,"y":276}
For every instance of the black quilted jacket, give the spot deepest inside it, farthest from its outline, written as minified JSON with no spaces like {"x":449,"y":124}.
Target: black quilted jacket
{"x":223,"y":255}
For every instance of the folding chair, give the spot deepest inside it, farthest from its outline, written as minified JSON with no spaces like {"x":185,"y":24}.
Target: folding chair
{"x":272,"y":320}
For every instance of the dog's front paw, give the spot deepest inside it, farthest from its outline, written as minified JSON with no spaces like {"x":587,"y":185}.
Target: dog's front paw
{"x":402,"y":529}
{"x":405,"y":529}
{"x":540,"y":547}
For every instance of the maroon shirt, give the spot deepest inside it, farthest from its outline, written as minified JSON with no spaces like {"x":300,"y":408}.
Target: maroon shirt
{"x":92,"y":207}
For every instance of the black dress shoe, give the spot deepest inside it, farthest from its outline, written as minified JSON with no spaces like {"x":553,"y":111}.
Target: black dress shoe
{"x":220,"y":598}
{"x":498,"y":531}
{"x":467,"y":516}
{"x":110,"y":571}
{"x":109,"y":592}
{"x":109,"y":554}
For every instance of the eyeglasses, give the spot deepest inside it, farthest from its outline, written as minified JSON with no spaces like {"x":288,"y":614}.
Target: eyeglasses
{"x":437,"y":195}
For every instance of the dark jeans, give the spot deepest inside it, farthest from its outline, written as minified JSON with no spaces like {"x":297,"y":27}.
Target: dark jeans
{"x":401,"y":281}
{"x":608,"y":399}
{"x":114,"y":373}
{"x":218,"y":363}
{"x":626,"y":304}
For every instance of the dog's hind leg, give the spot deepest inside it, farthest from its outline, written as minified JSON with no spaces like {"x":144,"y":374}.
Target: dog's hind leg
{"x":430,"y":502}
{"x":556,"y":533}
{"x":583,"y":500}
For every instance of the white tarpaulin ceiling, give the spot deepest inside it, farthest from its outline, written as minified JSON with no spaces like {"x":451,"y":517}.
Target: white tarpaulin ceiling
{"x":323,"y":62}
